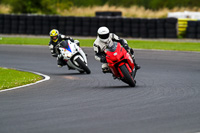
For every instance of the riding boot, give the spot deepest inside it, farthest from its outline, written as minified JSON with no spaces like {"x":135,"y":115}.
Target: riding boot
{"x":60,"y":61}
{"x":105,"y":68}
{"x":136,"y":65}
{"x":133,"y":57}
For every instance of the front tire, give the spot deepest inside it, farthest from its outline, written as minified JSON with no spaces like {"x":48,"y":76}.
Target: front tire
{"x":83,"y":66}
{"x":127,"y":76}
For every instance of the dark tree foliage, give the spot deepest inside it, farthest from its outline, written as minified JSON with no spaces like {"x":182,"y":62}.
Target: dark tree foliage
{"x":50,"y":6}
{"x":32,"y":6}
{"x":156,"y":4}
{"x":88,"y":2}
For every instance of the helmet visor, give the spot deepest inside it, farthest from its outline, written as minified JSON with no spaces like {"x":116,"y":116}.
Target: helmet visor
{"x":54,"y":37}
{"x":104,"y":36}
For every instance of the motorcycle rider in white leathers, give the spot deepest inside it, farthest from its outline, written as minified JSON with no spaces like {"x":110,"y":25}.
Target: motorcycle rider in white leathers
{"x":105,"y":39}
{"x":55,"y":39}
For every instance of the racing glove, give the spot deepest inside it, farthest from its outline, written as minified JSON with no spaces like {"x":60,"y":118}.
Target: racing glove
{"x":103,"y":59}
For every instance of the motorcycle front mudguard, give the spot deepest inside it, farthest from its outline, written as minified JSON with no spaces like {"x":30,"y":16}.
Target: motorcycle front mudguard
{"x":127,"y":66}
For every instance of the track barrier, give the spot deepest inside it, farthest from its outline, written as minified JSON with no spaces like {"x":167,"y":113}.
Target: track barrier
{"x":87,"y":26}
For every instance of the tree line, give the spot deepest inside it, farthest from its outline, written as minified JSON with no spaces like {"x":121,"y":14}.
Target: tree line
{"x":50,"y":6}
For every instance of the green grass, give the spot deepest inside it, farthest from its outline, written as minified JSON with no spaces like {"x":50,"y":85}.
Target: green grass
{"x":24,"y":40}
{"x":138,"y":44}
{"x":159,"y":45}
{"x":10,"y":78}
{"x":165,"y":45}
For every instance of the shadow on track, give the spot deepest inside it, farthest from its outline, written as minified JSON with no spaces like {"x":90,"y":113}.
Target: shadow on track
{"x":116,"y":87}
{"x":67,"y":74}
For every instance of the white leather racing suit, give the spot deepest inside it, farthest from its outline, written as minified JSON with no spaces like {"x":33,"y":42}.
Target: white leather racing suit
{"x":100,"y":46}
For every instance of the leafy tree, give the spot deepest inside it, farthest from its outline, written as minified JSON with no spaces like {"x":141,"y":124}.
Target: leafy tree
{"x":63,"y":4}
{"x":51,"y":6}
{"x":88,"y":2}
{"x":32,"y":6}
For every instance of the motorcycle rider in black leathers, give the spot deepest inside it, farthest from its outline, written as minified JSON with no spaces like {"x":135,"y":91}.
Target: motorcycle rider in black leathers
{"x":105,"y":39}
{"x":55,"y":39}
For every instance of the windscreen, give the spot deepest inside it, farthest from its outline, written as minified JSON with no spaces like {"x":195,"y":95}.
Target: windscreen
{"x":113,"y":47}
{"x":64,"y":44}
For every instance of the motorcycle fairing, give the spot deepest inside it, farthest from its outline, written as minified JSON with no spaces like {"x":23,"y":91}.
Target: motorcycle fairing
{"x":66,"y":45}
{"x":116,"y":56}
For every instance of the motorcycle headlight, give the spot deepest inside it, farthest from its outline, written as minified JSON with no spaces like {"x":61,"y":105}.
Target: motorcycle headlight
{"x":69,"y":55}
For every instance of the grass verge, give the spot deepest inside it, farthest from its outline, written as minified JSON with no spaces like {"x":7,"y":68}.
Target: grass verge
{"x":165,"y":45}
{"x":10,"y":78}
{"x":138,"y":44}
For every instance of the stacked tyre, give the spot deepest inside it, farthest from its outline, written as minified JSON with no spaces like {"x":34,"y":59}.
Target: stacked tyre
{"x":126,"y":27}
{"x":61,"y":24}
{"x":53,"y":22}
{"x":69,"y":26}
{"x":7,"y":24}
{"x":191,"y":31}
{"x":30,"y":29}
{"x":110,"y":24}
{"x":94,"y":25}
{"x":37,"y":25}
{"x":1,"y":23}
{"x":198,"y":29}
{"x":22,"y":24}
{"x":45,"y":25}
{"x":86,"y":26}
{"x":78,"y":26}
{"x":14,"y":24}
{"x":143,"y":28}
{"x":171,"y":28}
{"x":102,"y":21}
{"x":151,"y":26}
{"x":118,"y":26}
{"x":108,"y":13}
{"x":135,"y":32}
{"x":160,"y":30}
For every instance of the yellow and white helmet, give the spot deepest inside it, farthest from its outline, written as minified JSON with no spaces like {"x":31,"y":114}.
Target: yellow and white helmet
{"x":54,"y":35}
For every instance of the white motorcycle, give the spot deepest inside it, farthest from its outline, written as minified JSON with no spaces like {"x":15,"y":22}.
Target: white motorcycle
{"x":73,"y":56}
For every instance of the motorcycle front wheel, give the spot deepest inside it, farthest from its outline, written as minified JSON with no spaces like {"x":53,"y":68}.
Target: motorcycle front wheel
{"x":127,"y":76}
{"x":83,"y":66}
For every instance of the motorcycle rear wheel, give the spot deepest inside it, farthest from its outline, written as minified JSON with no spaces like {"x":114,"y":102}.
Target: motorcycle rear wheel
{"x":127,"y":76}
{"x":83,"y":66}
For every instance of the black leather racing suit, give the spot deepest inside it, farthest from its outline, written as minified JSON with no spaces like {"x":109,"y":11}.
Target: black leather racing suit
{"x":52,"y":44}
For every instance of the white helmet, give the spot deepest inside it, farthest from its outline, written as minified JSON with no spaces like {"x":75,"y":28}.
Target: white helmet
{"x":103,"y":33}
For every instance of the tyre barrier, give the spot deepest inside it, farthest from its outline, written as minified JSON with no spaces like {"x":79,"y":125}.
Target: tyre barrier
{"x":108,"y":13}
{"x":87,"y":26}
{"x":193,"y":30}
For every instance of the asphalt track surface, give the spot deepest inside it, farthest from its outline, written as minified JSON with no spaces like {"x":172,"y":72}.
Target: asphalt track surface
{"x":165,"y":100}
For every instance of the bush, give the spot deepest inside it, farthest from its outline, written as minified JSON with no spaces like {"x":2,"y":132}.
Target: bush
{"x":51,"y":6}
{"x":32,"y":6}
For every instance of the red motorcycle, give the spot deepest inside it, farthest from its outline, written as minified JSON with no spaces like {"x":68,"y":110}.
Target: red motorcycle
{"x":121,"y":64}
